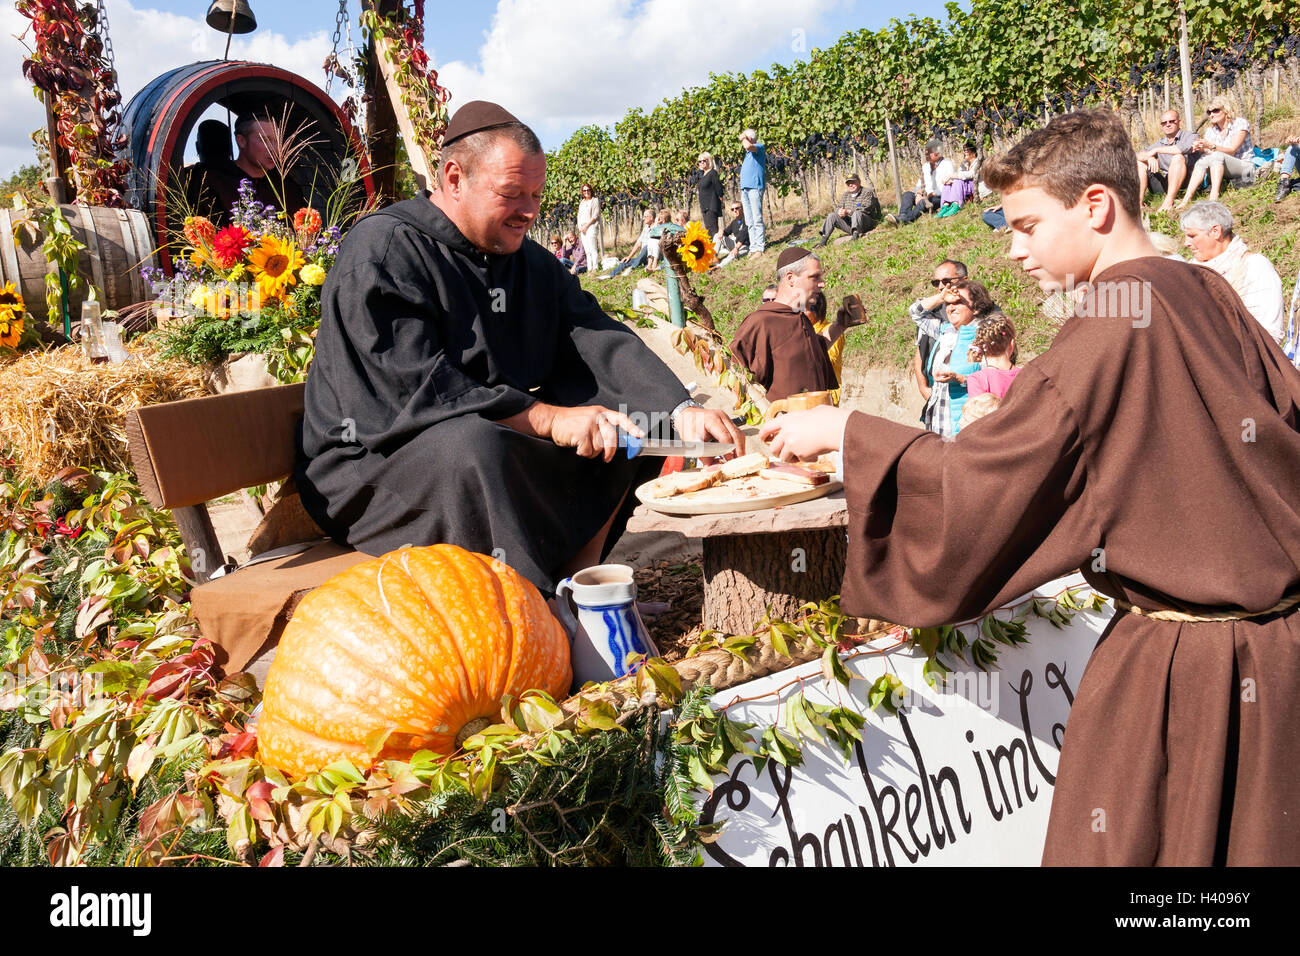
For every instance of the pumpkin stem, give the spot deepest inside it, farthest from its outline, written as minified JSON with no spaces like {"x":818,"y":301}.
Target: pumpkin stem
{"x":470,"y":729}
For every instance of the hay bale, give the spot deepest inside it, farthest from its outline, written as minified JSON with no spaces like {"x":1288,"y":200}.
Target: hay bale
{"x":58,"y":410}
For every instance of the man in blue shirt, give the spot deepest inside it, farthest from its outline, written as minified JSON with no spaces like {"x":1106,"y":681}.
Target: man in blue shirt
{"x":753,"y":178}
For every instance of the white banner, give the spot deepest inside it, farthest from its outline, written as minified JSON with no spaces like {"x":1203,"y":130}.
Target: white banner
{"x":961,"y":776}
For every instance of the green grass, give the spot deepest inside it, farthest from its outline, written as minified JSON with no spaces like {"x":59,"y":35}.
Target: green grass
{"x":890,"y":267}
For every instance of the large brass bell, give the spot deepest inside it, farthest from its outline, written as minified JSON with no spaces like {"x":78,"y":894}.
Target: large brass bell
{"x":222,"y":12}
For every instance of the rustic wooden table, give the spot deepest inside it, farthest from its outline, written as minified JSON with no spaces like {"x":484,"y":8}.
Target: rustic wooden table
{"x":778,"y":557}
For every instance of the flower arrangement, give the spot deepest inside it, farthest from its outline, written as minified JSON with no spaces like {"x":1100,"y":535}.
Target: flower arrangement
{"x":252,"y":286}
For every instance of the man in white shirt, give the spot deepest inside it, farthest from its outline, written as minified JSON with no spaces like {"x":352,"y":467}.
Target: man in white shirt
{"x":641,"y":252}
{"x":1207,"y":228}
{"x":936,"y":172}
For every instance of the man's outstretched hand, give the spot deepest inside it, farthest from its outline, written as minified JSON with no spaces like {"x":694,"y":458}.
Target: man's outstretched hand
{"x":806,"y":435}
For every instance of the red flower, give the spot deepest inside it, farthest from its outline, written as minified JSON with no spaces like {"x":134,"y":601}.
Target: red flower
{"x":65,"y":529}
{"x":306,"y":224}
{"x":229,"y":245}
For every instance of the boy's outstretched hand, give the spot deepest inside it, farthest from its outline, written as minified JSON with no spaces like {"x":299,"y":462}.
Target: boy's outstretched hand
{"x":806,"y":435}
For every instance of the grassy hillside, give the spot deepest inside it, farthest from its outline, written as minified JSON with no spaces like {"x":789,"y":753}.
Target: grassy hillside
{"x":889,"y":267}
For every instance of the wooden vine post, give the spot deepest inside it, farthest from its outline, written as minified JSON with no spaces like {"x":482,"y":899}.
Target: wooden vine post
{"x":690,"y":298}
{"x":381,"y":122}
{"x":385,"y":55}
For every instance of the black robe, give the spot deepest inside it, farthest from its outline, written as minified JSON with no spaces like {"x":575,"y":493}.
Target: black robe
{"x":425,"y":344}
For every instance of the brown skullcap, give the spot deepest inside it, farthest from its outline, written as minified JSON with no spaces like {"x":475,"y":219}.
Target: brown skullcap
{"x":474,"y":117}
{"x":789,"y":256}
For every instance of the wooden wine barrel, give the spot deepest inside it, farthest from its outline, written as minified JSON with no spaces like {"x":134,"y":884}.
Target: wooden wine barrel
{"x":159,"y":119}
{"x":118,"y":242}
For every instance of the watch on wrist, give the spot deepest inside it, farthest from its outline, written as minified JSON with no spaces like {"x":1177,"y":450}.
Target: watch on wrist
{"x":675,"y":414}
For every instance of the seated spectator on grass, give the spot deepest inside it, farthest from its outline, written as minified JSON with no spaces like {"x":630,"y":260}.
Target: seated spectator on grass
{"x":930,"y":316}
{"x":778,"y":344}
{"x":575,"y":256}
{"x":1162,"y":166}
{"x":936,"y":172}
{"x":733,"y":241}
{"x":1226,"y":151}
{"x":769,"y":292}
{"x":961,"y":187}
{"x":1290,"y":158}
{"x":1207,"y":227}
{"x":995,"y":219}
{"x":858,"y":212}
{"x":966,"y":302}
{"x":679,"y":217}
{"x":652,"y":242}
{"x":640,"y":253}
{"x":556,"y":246}
{"x":995,"y":349}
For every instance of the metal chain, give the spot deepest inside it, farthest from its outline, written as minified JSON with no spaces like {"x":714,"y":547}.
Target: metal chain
{"x":101,"y":27}
{"x":331,"y":65}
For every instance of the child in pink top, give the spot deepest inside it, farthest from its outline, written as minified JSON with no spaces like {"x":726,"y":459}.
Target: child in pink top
{"x":995,"y":346}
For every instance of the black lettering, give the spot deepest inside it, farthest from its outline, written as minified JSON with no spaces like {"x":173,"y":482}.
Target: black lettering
{"x":935,"y":830}
{"x":857,"y":854}
{"x":984,"y":779}
{"x":781,"y":776}
{"x":877,"y":802}
{"x":1023,"y":691}
{"x":936,"y":781}
{"x":1056,"y":678}
{"x":736,"y":793}
{"x":836,"y":827}
{"x":913,"y":809}
{"x":1007,"y":754}
{"x":871,"y":836}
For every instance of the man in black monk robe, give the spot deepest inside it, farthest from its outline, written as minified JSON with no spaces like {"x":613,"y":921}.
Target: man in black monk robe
{"x":466,"y":390}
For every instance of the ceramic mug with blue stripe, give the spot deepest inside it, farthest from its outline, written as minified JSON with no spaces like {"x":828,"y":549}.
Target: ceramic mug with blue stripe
{"x":607,"y":627}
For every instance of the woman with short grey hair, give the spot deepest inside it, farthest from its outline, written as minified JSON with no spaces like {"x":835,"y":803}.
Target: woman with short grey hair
{"x":1207,"y":228}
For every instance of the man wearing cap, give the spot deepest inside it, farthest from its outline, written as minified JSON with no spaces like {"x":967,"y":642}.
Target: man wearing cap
{"x":778,"y":344}
{"x":466,"y":390}
{"x":854,"y":214}
{"x":936,"y":172}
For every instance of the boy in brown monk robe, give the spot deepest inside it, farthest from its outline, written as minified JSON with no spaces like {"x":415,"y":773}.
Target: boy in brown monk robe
{"x":1154,"y":446}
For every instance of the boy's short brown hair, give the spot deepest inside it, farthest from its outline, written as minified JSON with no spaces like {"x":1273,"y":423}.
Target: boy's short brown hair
{"x":1067,"y":156}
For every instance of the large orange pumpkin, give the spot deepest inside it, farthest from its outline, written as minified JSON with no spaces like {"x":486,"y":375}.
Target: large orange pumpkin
{"x":422,"y":642}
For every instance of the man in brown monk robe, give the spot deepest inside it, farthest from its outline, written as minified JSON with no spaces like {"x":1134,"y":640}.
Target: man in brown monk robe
{"x":778,"y":344}
{"x":1155,"y":447}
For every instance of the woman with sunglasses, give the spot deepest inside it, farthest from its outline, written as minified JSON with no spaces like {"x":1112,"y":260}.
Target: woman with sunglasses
{"x":710,"y":190}
{"x":1226,"y":149}
{"x":589,"y":226}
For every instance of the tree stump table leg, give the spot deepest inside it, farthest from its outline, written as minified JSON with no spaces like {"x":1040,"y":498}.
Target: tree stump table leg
{"x":745,"y":574}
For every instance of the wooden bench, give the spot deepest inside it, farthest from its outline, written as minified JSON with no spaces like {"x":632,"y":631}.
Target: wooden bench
{"x":191,"y":452}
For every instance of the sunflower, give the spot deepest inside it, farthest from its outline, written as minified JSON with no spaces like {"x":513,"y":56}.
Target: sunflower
{"x":696,"y":248}
{"x":12,"y":310}
{"x":274,"y":263}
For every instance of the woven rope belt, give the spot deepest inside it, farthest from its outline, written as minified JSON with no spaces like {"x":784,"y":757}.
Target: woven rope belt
{"x":1288,"y":602}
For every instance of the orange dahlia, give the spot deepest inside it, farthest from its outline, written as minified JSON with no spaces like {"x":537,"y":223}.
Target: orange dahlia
{"x":306,"y":224}
{"x":199,"y":231}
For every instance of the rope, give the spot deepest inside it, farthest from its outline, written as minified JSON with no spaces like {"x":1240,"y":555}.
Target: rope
{"x":721,"y":669}
{"x":1288,"y":602}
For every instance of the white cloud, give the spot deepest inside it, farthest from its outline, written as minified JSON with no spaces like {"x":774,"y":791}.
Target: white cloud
{"x":558,"y":66}
{"x":146,"y":43}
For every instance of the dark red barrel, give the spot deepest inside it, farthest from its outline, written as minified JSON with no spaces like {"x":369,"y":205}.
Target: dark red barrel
{"x":160,"y":118}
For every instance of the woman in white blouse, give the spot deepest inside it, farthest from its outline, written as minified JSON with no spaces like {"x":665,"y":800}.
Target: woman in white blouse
{"x":589,"y":226}
{"x":1226,"y":147}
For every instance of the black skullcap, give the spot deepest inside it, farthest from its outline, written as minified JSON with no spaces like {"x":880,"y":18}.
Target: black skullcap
{"x":789,"y":256}
{"x":474,"y":117}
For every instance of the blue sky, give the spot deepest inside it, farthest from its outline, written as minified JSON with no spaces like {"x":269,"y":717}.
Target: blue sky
{"x":558,"y":66}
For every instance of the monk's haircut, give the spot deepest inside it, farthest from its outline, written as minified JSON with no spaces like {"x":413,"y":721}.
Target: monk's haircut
{"x":1068,"y":155}
{"x":468,"y":151}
